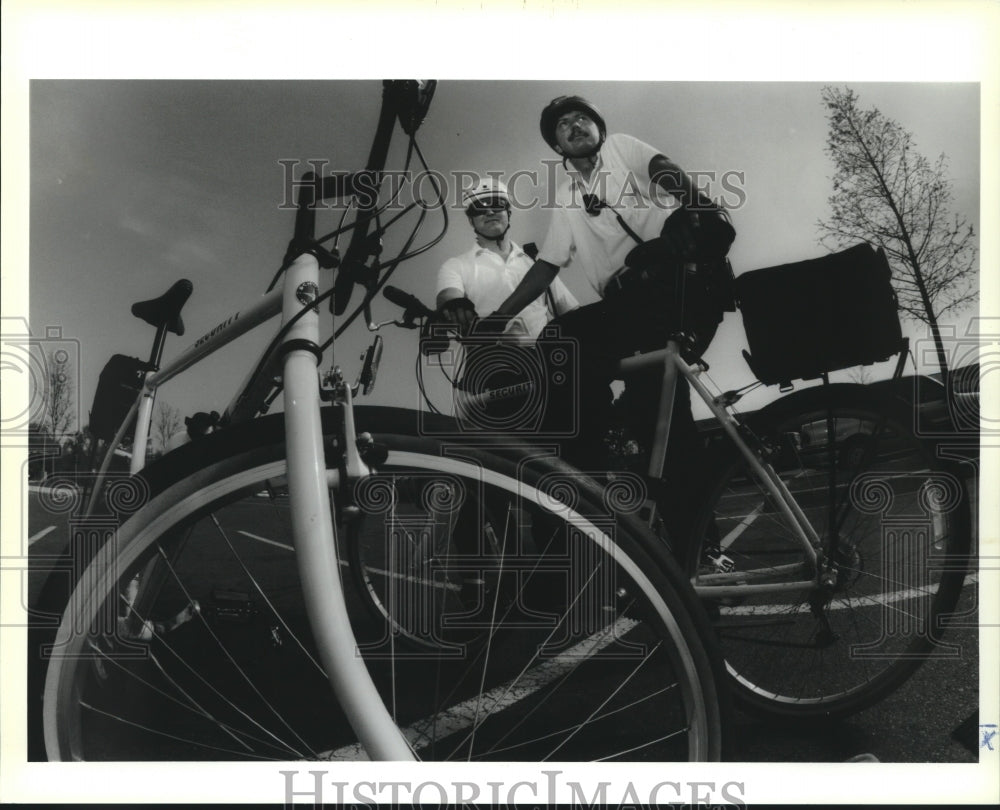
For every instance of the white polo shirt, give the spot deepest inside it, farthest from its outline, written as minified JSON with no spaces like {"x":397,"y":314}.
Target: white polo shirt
{"x":596,"y":246}
{"x":486,"y":279}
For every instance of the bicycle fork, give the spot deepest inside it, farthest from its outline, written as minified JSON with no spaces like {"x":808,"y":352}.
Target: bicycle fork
{"x":313,"y":528}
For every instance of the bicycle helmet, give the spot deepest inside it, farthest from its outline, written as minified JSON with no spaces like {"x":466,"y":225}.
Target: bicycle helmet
{"x":564,"y":104}
{"x":485,"y":193}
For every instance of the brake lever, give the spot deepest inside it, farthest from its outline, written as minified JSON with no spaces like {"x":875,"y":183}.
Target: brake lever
{"x":369,"y":368}
{"x":367,"y":308}
{"x":374,"y":327}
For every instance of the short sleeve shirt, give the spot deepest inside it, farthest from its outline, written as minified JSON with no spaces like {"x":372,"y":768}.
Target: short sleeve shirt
{"x":595,"y":247}
{"x":486,"y":279}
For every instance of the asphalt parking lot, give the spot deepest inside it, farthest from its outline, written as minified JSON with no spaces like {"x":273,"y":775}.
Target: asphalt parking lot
{"x":932,"y":718}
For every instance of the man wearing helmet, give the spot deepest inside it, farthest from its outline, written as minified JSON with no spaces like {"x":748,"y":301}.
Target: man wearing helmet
{"x":622,"y":192}
{"x":481,"y":279}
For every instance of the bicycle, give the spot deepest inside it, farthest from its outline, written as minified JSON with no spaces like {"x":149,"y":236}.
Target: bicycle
{"x":213,"y":621}
{"x":830,"y":545}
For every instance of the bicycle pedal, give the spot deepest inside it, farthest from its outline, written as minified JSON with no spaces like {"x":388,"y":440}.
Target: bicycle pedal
{"x":722,"y":563}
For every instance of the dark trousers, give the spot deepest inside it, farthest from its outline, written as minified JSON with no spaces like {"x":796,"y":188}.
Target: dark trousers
{"x":640,"y":319}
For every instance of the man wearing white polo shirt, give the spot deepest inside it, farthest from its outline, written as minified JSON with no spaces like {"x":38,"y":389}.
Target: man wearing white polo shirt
{"x":478,"y":281}
{"x":621,"y":192}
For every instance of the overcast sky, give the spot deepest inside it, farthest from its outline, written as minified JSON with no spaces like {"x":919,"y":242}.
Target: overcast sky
{"x":135,"y":184}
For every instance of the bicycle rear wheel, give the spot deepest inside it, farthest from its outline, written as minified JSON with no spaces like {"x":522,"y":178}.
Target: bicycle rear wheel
{"x":187,"y":638}
{"x":432,"y":559}
{"x":901,"y":526}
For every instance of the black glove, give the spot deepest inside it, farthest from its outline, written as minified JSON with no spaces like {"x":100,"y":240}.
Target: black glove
{"x":460,"y":312}
{"x":716,"y":233}
{"x":698,"y":233}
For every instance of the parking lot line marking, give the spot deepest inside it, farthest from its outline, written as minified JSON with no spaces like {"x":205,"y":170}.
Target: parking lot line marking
{"x":40,"y":534}
{"x":745,"y":524}
{"x":260,"y":539}
{"x":464,"y":715}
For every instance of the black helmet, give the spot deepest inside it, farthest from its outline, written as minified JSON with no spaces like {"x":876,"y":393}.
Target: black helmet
{"x":563,"y":104}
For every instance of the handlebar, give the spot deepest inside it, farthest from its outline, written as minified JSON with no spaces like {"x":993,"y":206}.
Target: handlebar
{"x":436,"y":331}
{"x":412,"y":306}
{"x":406,"y":101}
{"x":435,"y":334}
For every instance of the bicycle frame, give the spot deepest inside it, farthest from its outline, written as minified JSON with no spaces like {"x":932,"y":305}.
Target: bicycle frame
{"x":313,"y":529}
{"x":670,"y":360}
{"x":309,"y":484}
{"x":673,"y":364}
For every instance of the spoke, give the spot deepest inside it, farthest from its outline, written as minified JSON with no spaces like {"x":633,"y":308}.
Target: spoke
{"x":911,"y":591}
{"x":224,"y":726}
{"x":644,"y":699}
{"x":461,"y":716}
{"x":264,"y":596}
{"x":479,"y":655}
{"x":390,"y":595}
{"x":607,"y":700}
{"x":866,"y":663}
{"x":489,"y":642}
{"x":189,"y":703}
{"x":184,"y":740}
{"x":181,"y":660}
{"x":550,"y":669}
{"x":445,"y":723}
{"x":225,"y":651}
{"x":664,"y":738}
{"x":524,"y":719}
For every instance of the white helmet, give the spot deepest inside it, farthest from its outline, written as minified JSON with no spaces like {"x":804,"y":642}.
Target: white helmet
{"x":485,"y":193}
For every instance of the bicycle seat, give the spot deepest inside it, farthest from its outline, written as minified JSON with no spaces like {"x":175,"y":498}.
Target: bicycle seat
{"x":166,"y":310}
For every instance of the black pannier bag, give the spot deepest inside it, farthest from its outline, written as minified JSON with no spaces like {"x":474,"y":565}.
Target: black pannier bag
{"x":810,"y":317}
{"x":119,"y":384}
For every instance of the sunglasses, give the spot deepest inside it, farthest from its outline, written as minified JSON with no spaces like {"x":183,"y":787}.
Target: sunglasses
{"x":480,"y":208}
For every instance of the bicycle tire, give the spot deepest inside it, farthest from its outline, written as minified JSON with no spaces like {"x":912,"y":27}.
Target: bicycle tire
{"x":667,"y":705}
{"x":893,"y":594}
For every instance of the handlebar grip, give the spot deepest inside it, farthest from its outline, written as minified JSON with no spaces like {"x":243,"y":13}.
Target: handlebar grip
{"x":407,"y":301}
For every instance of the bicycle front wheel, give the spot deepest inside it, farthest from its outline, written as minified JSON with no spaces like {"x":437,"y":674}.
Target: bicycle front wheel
{"x":893,"y":522}
{"x":187,"y":638}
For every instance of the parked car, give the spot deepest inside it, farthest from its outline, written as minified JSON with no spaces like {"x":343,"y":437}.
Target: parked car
{"x":942,"y":412}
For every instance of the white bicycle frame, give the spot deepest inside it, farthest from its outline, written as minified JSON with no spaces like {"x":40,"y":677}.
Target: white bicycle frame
{"x":309,"y":485}
{"x":714,"y":584}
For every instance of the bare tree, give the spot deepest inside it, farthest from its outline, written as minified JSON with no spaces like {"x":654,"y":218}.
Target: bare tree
{"x":59,"y":416}
{"x":887,"y":194}
{"x":166,"y":423}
